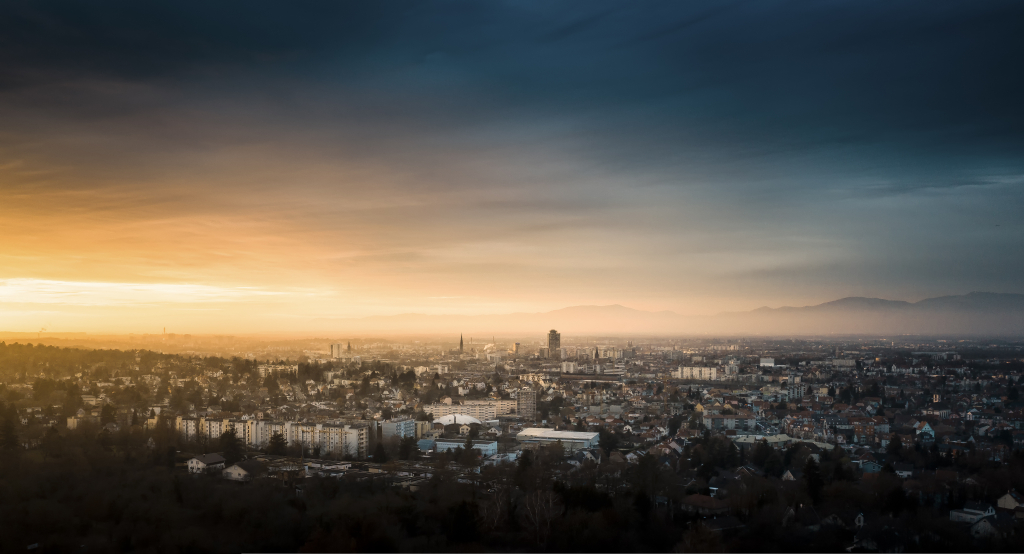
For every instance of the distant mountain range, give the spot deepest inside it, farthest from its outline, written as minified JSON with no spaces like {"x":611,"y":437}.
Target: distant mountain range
{"x":974,"y":314}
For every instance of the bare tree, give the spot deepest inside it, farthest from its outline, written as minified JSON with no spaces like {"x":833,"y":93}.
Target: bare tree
{"x":538,"y":509}
{"x":494,"y":512}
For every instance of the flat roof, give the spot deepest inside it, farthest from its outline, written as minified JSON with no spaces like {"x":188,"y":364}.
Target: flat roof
{"x":543,"y":433}
{"x":461,"y":441}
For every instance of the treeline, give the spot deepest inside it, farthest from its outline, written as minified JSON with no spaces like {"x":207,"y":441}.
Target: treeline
{"x":95,"y":491}
{"x":20,"y":360}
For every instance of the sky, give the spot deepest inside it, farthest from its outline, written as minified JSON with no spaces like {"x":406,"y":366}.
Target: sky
{"x":263,"y":166}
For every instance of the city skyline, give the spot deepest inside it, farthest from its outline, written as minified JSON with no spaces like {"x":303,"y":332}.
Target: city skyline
{"x":256,"y":169}
{"x":511,"y":276}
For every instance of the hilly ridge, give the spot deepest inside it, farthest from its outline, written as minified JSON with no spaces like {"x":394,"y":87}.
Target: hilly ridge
{"x":973,"y":314}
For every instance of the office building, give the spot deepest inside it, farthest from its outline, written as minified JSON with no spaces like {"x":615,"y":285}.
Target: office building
{"x":554,"y":343}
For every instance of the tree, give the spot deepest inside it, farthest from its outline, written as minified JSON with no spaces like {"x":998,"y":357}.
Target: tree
{"x":72,"y":400}
{"x":813,"y":479}
{"x":608,"y":441}
{"x":538,"y":509}
{"x":277,"y":444}
{"x":732,"y":456}
{"x":895,"y":445}
{"x":646,"y":474}
{"x":773,"y":465}
{"x":407,"y":448}
{"x":380,"y":456}
{"x":8,"y":434}
{"x":108,"y":414}
{"x":761,"y":453}
{"x":52,"y":443}
{"x":231,"y":446}
{"x":674,"y":423}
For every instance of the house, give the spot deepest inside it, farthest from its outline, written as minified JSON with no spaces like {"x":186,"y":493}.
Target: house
{"x":847,"y":518}
{"x":749,"y":471}
{"x":904,"y":470}
{"x":724,"y":523}
{"x":245,"y":471}
{"x":878,"y":539}
{"x":792,"y":475}
{"x":871,"y":467}
{"x":586,"y":455}
{"x":806,"y":517}
{"x":704,"y":505}
{"x":972,"y":512}
{"x":206,"y":463}
{"x":992,"y":527}
{"x":1010,"y":500}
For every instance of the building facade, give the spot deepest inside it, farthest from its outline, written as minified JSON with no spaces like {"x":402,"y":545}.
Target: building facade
{"x":697,"y":372}
{"x":400,"y":428}
{"x":480,"y":409}
{"x":554,"y":344}
{"x":571,"y":440}
{"x":526,"y":403}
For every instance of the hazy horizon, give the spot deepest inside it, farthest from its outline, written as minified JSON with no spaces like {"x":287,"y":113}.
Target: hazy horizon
{"x":972,"y":315}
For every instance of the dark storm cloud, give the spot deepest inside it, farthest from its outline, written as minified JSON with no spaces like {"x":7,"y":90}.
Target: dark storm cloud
{"x":726,"y":89}
{"x":842,"y":71}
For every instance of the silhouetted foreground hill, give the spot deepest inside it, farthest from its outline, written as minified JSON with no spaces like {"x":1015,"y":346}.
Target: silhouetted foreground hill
{"x":977,"y":313}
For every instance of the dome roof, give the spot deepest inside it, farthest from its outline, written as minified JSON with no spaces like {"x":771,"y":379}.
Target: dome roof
{"x":456,"y":418}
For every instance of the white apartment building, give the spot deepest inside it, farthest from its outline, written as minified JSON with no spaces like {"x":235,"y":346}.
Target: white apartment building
{"x":275,"y":369}
{"x":480,"y":409}
{"x":400,"y":428}
{"x":187,"y":427}
{"x":699,"y":373}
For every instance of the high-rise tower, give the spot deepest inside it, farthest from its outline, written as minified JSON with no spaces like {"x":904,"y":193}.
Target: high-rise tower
{"x":554,"y":343}
{"x":460,"y":344}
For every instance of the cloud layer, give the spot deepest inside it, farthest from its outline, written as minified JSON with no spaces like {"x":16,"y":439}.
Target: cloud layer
{"x":467,"y":157}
